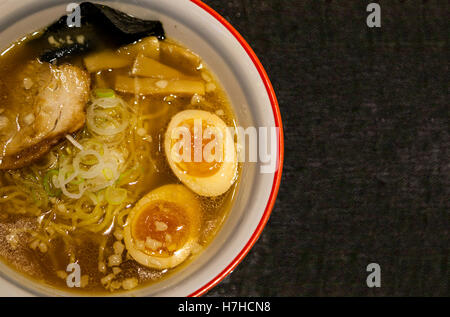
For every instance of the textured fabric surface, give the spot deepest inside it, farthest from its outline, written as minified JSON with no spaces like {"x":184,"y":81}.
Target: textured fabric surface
{"x":366,"y":176}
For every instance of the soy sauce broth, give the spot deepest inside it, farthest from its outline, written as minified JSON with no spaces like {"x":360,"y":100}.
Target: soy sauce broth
{"x":47,"y":264}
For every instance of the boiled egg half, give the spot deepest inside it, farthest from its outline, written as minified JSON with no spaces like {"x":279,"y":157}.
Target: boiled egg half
{"x":201,"y":152}
{"x":163,"y":228}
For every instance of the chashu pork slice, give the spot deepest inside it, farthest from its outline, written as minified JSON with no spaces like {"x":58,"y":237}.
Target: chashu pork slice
{"x":52,"y":105}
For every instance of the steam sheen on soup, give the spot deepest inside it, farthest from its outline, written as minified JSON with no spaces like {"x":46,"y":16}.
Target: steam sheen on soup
{"x":90,"y":172}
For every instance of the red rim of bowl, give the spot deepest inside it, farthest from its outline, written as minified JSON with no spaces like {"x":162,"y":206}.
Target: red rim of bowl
{"x":277,"y":176}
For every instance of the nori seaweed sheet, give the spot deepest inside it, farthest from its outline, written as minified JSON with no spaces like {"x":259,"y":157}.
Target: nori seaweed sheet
{"x":101,"y":26}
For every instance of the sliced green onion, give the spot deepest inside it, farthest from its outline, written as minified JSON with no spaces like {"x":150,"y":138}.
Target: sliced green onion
{"x":74,"y":142}
{"x":125,"y":175}
{"x":89,"y":161}
{"x":93,"y":144}
{"x":50,"y":190}
{"x":100,"y":122}
{"x":108,"y":174}
{"x":77,"y":181}
{"x":115,"y":196}
{"x":104,"y":93}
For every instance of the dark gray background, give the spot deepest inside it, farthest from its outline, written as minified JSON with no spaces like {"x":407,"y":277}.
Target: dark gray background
{"x":366,"y":176}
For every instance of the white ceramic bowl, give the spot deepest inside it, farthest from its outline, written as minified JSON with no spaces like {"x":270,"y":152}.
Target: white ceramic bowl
{"x":238,"y":69}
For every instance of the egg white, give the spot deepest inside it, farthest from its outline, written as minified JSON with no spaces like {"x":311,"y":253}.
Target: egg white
{"x":224,"y":178}
{"x":181,"y":196}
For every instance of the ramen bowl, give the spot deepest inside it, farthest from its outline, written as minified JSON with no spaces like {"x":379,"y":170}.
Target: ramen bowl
{"x":253,"y":100}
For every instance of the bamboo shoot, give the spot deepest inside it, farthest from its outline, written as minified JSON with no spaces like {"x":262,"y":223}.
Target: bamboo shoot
{"x":147,"y":67}
{"x":106,"y":60}
{"x":180,"y":57}
{"x":153,"y":86}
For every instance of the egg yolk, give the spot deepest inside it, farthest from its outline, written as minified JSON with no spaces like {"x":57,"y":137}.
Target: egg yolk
{"x":202,"y":168}
{"x":161,"y":227}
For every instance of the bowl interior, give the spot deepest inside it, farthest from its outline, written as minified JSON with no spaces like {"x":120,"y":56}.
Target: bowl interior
{"x":198,"y":30}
